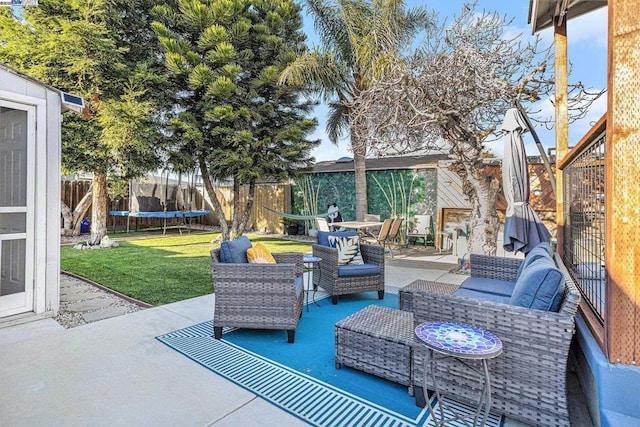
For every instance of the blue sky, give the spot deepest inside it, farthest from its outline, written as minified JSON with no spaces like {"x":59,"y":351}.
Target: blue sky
{"x":587,"y":36}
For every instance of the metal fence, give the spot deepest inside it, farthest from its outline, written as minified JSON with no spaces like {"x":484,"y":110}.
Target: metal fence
{"x":584,"y":219}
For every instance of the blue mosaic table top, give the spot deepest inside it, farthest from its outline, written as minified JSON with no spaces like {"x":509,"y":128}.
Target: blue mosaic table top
{"x":459,"y":340}
{"x":308,"y":259}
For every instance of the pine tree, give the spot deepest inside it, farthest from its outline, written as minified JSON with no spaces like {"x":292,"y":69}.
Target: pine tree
{"x":234,"y":121}
{"x":106,"y":52}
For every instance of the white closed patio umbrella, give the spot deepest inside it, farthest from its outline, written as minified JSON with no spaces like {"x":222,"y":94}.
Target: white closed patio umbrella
{"x":523,"y":229}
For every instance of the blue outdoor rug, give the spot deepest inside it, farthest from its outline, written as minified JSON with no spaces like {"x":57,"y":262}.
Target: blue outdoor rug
{"x":301,"y":378}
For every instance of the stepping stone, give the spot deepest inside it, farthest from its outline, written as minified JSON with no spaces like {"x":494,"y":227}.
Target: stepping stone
{"x":79,"y":296}
{"x":104,"y":313}
{"x":72,"y":289}
{"x":89,"y":305}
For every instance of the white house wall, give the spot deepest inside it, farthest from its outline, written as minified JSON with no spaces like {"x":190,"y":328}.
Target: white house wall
{"x":450,"y":193}
{"x":52,"y":217}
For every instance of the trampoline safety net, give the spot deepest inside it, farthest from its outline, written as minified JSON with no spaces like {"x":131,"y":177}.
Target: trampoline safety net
{"x":156,"y":194}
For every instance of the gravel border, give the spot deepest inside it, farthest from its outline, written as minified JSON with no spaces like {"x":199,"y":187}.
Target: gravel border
{"x":70,"y":319}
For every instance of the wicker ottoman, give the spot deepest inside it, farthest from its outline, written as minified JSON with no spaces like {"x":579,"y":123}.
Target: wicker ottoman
{"x":377,"y":340}
{"x":405,"y":294}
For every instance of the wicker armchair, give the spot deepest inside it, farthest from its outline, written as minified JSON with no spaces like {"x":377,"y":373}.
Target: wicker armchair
{"x":335,"y":285}
{"x":260,"y":296}
{"x":529,"y":378}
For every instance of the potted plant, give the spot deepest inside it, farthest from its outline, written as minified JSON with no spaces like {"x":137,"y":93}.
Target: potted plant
{"x":290,"y":226}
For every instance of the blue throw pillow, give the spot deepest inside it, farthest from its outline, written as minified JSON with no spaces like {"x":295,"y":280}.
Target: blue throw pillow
{"x":543,"y":249}
{"x":323,"y":236}
{"x":235,"y":251}
{"x":540,"y":286}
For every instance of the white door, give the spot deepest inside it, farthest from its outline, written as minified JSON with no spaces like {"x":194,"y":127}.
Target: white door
{"x":17,"y":163}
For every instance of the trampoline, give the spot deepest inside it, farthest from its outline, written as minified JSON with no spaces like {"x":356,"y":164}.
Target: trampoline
{"x":185,"y":215}
{"x":163,"y":198}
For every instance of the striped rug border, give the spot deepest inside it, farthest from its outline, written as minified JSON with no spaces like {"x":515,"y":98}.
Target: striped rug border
{"x":316,"y":402}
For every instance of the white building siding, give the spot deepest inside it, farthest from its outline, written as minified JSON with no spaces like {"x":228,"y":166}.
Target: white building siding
{"x":21,"y":89}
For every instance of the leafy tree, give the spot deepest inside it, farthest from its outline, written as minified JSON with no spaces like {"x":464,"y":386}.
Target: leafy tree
{"x":106,"y":52}
{"x":234,"y":121}
{"x":360,"y":40}
{"x":456,"y":89}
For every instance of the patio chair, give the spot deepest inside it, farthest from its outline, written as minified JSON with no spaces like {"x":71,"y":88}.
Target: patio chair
{"x":383,"y":233}
{"x":393,"y":234}
{"x":529,"y":378}
{"x":258,"y":296}
{"x":421,"y":229}
{"x":321,"y":224}
{"x":371,"y":231}
{"x":338,"y":279}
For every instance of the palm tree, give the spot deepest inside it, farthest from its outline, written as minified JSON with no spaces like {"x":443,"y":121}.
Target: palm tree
{"x":360,"y":40}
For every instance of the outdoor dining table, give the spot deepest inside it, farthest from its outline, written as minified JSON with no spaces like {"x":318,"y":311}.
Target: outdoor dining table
{"x":358,"y":225}
{"x":361,"y":226}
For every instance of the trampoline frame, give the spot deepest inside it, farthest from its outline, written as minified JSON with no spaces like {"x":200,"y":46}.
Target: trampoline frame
{"x":164,"y":215}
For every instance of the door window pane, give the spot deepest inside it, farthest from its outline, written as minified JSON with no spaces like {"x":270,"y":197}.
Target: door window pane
{"x":12,"y":268}
{"x":13,"y":223}
{"x":13,"y":157}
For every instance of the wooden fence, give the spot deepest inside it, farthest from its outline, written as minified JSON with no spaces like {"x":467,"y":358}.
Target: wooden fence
{"x":274,"y":196}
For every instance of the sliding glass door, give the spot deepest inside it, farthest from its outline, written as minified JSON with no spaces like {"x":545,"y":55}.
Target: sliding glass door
{"x":17,"y":157}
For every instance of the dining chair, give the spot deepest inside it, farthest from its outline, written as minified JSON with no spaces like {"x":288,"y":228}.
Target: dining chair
{"x":322,"y":224}
{"x":382,"y":234}
{"x":393,"y":234}
{"x":371,"y":231}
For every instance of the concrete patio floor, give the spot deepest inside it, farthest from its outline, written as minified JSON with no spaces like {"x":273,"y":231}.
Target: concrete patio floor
{"x":114,"y":372}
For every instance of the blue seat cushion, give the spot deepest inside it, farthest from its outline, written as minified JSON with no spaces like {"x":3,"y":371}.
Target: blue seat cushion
{"x":323,"y":236}
{"x":542,"y":250}
{"x":235,"y":251}
{"x":358,"y":270}
{"x":299,"y":285}
{"x":485,"y":296}
{"x":540,"y":286}
{"x":490,"y":286}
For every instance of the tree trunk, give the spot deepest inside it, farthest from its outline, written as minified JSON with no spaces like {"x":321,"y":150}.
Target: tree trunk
{"x":99,"y":212}
{"x":483,"y":196}
{"x":215,"y":203}
{"x":480,"y":188}
{"x":247,"y":208}
{"x":67,"y":219}
{"x":71,"y":220}
{"x":360,"y":177}
{"x":235,"y":212}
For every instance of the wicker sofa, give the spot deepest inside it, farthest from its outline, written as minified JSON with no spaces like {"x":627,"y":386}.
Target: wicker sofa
{"x":529,"y":379}
{"x":260,"y":296}
{"x":336,"y":279}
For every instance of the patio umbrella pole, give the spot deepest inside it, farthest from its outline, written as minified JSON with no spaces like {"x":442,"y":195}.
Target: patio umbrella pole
{"x":545,"y":159}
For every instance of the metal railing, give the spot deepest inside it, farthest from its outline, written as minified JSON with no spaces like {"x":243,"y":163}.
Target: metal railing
{"x":584,"y":222}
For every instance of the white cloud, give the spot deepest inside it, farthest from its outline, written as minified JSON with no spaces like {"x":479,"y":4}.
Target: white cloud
{"x":580,"y":128}
{"x":590,"y":28}
{"x":328,"y":150}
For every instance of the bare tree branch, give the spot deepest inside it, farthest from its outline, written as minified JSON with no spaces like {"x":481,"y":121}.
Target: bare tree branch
{"x":451,"y":95}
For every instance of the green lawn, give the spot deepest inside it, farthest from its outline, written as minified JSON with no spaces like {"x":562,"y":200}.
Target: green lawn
{"x":159,"y":270}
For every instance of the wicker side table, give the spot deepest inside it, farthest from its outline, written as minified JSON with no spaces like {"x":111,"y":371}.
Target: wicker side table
{"x":377,"y":340}
{"x":405,"y":293}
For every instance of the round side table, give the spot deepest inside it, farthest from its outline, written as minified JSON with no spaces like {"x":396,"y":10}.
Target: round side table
{"x":459,"y":341}
{"x":309,"y":261}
